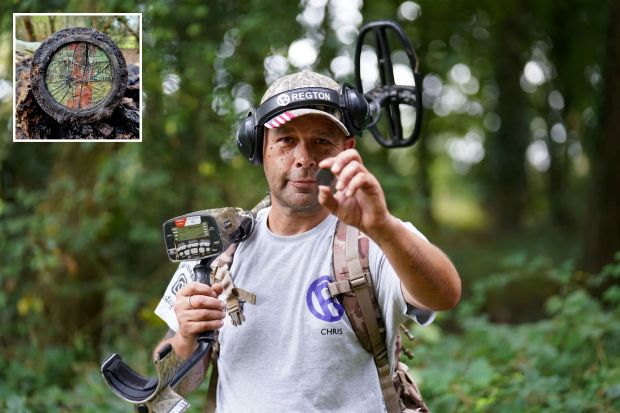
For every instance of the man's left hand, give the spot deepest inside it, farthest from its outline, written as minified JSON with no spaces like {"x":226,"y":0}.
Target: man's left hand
{"x":359,"y":199}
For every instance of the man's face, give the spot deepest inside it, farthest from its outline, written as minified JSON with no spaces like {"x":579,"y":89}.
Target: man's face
{"x":291,"y":156}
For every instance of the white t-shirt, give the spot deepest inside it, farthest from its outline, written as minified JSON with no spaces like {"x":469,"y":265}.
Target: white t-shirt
{"x":296,"y":350}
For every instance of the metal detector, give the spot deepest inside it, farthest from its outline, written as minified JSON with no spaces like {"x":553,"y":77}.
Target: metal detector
{"x":200,"y":235}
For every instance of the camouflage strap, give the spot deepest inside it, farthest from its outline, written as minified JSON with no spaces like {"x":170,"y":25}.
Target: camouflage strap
{"x":167,"y":366}
{"x":408,"y":390}
{"x":212,"y":390}
{"x":234,"y":297}
{"x":264,"y":203}
{"x":165,"y":399}
{"x":354,"y":285}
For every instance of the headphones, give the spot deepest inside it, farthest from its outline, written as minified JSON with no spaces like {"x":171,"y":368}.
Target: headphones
{"x":355,"y":110}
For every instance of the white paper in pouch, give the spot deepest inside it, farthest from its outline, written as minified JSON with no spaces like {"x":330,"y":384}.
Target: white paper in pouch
{"x":165,"y":309}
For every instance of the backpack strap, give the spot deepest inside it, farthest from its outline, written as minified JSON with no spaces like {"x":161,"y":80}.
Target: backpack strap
{"x":354,"y":286}
{"x":220,"y":272}
{"x":212,"y":391}
{"x":233,"y":296}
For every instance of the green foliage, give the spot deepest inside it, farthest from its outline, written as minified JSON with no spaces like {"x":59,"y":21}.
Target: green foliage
{"x":567,"y":361}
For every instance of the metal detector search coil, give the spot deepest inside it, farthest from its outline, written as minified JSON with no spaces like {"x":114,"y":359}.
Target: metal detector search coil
{"x":386,"y":99}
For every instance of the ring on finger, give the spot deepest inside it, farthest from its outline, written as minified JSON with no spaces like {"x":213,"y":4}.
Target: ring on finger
{"x":189,"y":301}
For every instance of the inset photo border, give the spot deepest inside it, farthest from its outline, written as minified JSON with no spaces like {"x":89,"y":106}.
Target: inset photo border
{"x":77,"y":77}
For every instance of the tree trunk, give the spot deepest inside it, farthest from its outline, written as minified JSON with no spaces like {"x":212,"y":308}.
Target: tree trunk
{"x":564,"y":53}
{"x":557,"y":181}
{"x":506,"y":150}
{"x":602,"y":229}
{"x":29,"y":29}
{"x":424,"y":156}
{"x":424,"y":182}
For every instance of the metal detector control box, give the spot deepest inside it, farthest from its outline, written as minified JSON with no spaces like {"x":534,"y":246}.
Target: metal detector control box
{"x":192,"y":237}
{"x":206,"y":233}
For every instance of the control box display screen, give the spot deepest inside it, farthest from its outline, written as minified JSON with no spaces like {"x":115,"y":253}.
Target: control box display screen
{"x":193,"y":231}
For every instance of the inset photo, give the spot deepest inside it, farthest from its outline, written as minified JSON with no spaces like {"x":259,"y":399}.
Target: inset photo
{"x":77,"y":77}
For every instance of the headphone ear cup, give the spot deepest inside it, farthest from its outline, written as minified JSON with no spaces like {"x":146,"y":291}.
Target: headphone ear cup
{"x":356,"y":110}
{"x":246,"y":139}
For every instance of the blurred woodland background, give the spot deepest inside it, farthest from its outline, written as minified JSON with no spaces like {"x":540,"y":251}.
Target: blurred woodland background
{"x":516,"y":177}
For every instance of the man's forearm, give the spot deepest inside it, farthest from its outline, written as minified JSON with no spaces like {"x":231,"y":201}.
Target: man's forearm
{"x":183,"y":349}
{"x":426,"y":273}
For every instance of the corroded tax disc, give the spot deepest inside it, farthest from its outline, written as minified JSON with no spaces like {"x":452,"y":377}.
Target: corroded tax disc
{"x":78,"y":75}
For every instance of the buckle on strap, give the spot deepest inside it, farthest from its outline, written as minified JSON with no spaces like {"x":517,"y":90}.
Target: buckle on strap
{"x":339,"y":287}
{"x":359,"y":280}
{"x":380,"y":353}
{"x":349,"y":285}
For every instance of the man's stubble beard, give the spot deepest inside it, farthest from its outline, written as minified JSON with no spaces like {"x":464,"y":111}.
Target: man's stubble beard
{"x":285,"y":196}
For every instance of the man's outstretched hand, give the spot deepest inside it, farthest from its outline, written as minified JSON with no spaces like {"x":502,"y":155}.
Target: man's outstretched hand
{"x":359,"y":199}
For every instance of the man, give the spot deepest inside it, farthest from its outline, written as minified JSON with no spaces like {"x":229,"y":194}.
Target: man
{"x":296,"y":351}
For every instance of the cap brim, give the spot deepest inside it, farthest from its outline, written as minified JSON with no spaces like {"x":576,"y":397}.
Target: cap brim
{"x":289,"y":115}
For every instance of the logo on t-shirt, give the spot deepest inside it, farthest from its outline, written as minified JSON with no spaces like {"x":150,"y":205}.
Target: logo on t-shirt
{"x":320,"y":303}
{"x":180,"y":283}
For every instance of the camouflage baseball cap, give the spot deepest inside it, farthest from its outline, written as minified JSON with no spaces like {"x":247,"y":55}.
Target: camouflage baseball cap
{"x":304,"y":79}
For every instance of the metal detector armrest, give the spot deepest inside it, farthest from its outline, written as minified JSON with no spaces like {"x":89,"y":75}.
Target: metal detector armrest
{"x":135,"y":388}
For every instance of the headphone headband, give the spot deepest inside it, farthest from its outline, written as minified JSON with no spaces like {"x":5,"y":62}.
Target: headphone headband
{"x":295,"y":99}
